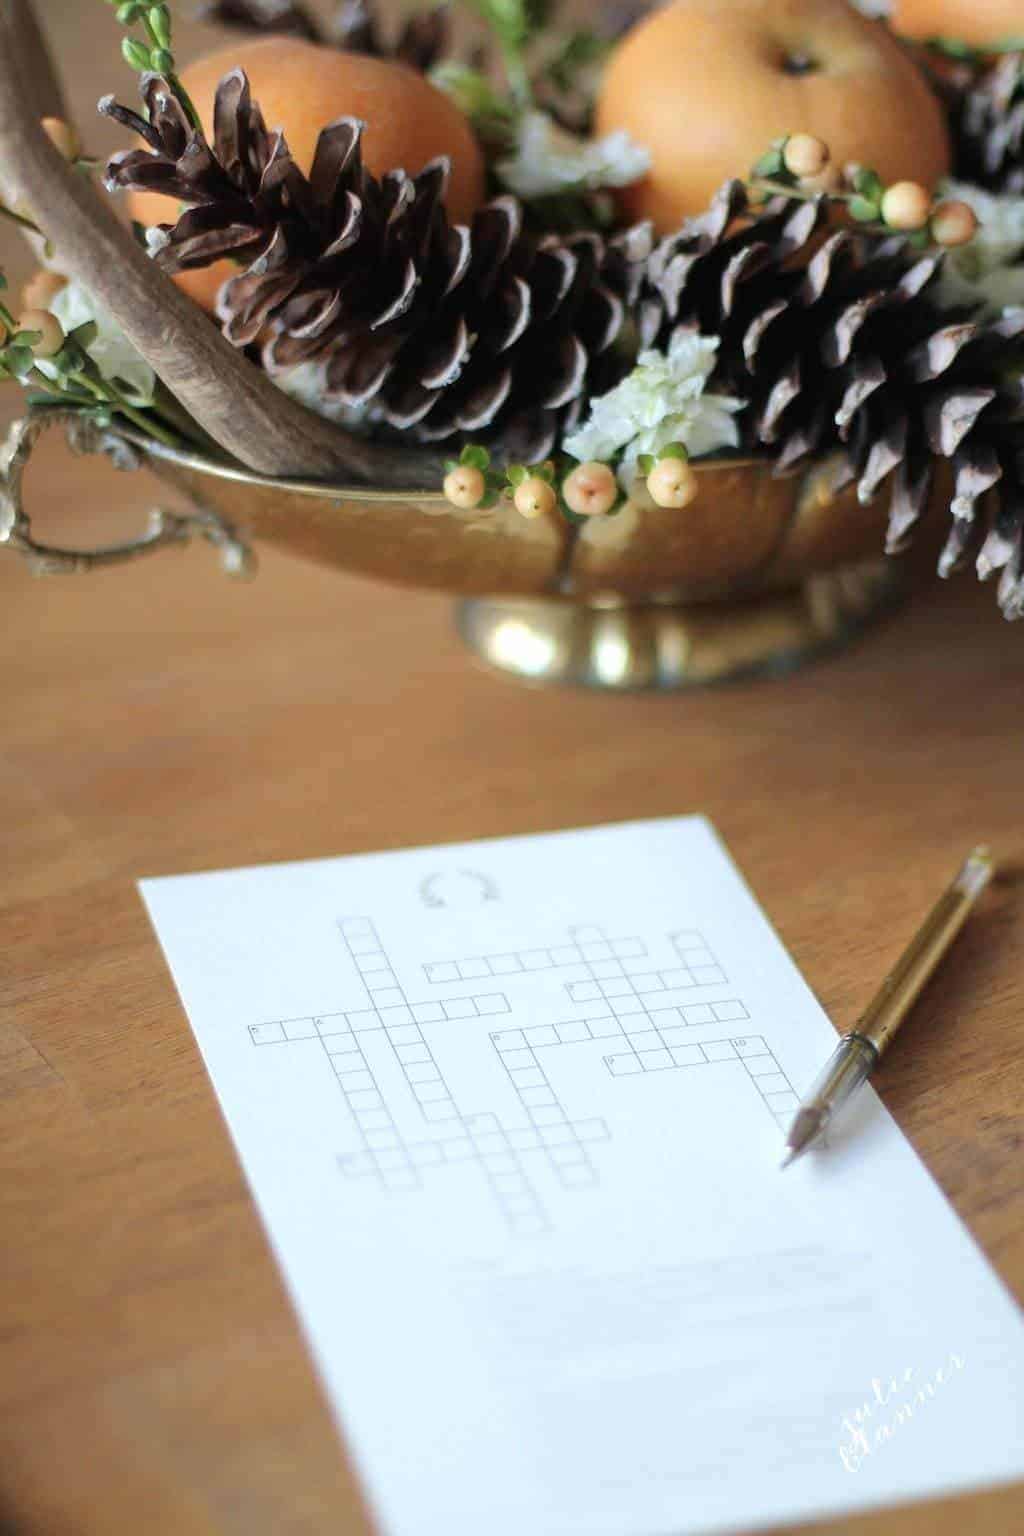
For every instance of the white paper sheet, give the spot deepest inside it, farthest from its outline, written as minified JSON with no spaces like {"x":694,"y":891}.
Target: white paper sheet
{"x":512,"y":1113}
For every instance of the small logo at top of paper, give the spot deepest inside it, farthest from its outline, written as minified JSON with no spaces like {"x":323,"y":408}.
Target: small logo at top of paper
{"x":458,"y":888}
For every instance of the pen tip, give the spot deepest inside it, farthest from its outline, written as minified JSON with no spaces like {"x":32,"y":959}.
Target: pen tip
{"x":976,"y":873}
{"x":787,"y":1157}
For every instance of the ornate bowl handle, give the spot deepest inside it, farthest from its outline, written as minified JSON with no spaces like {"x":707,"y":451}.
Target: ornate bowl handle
{"x":87,"y":436}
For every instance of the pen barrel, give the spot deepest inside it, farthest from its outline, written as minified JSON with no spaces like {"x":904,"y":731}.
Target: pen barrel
{"x":908,"y":978}
{"x":850,"y":1064}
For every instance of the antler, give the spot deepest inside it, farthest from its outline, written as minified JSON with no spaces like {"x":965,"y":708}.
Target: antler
{"x":231,"y":399}
{"x":36,"y":65}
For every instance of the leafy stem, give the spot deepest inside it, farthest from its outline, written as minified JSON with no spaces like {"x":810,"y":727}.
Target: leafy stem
{"x":19,"y":219}
{"x":515,"y":24}
{"x":106,"y":392}
{"x":155,"y":53}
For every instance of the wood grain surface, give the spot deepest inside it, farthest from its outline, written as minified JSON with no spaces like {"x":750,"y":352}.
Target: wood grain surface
{"x":160,"y":719}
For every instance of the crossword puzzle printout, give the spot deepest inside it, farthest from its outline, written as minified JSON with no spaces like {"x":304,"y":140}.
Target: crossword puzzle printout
{"x":512,"y":1114}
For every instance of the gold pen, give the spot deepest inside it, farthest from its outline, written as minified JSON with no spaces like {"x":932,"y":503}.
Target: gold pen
{"x":859,"y":1051}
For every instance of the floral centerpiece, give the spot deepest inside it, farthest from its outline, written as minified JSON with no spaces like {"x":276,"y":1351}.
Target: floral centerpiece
{"x":512,"y":316}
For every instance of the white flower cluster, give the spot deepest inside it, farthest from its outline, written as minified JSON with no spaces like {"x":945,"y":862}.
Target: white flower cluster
{"x":662,"y":401}
{"x":548,"y":160}
{"x":111,"y":351}
{"x":307,"y":383}
{"x":990,"y":268}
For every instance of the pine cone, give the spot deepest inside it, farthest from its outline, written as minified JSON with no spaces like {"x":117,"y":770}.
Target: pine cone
{"x":838,"y":343}
{"x":279,"y":16}
{"x":986,"y":117}
{"x":434,"y":328}
{"x":421,"y":41}
{"x":494,"y":333}
{"x":236,"y":196}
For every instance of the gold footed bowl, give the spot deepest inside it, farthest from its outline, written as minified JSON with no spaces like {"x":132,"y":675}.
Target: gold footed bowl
{"x":757,"y":575}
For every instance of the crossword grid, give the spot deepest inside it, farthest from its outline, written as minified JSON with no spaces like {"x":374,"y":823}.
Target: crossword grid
{"x":627,"y":1000}
{"x":642,"y":1007}
{"x":517,"y":1050}
{"x":697,"y":965}
{"x":752,"y":1050}
{"x":387,"y":1155}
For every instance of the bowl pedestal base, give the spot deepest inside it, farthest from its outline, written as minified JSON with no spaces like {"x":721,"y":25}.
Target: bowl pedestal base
{"x":618,"y":646}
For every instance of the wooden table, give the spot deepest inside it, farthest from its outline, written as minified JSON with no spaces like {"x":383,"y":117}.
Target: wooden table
{"x":162,"y":719}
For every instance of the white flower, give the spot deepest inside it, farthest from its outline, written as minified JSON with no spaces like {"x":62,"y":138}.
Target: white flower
{"x":111,"y":351}
{"x":307,"y":384}
{"x":549,"y":160}
{"x":662,"y":401}
{"x":157,"y":240}
{"x":990,"y":268}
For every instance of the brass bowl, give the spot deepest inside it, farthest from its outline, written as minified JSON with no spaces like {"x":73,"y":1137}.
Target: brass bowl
{"x":758,"y":574}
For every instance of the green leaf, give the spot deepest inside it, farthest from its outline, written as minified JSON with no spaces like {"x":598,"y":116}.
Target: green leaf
{"x":869,"y":184}
{"x":475,"y":456}
{"x":135,"y":54}
{"x":951,"y":46}
{"x":84,"y":335}
{"x":449,"y":465}
{"x":490,"y":500}
{"x":477,"y":98}
{"x":509,"y":18}
{"x":162,"y":61}
{"x":27,"y":338}
{"x":769,"y":166}
{"x":864,"y":211}
{"x":159,"y":18}
{"x":578,"y":52}
{"x":20,"y":361}
{"x":517,"y":473}
{"x":645,"y":463}
{"x":674,"y":451}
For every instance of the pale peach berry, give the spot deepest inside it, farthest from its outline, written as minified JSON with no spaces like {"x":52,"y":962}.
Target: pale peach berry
{"x":906,"y":205}
{"x":41,"y":289}
{"x":672,"y":483}
{"x":805,"y":155}
{"x":465,"y":486}
{"x":534,"y":497}
{"x":954,"y":223}
{"x":51,"y":332}
{"x":63,"y":137}
{"x":591,"y":489}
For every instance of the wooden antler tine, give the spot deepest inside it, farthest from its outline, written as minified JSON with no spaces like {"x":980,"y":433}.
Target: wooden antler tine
{"x":231,"y":399}
{"x":41,"y":78}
